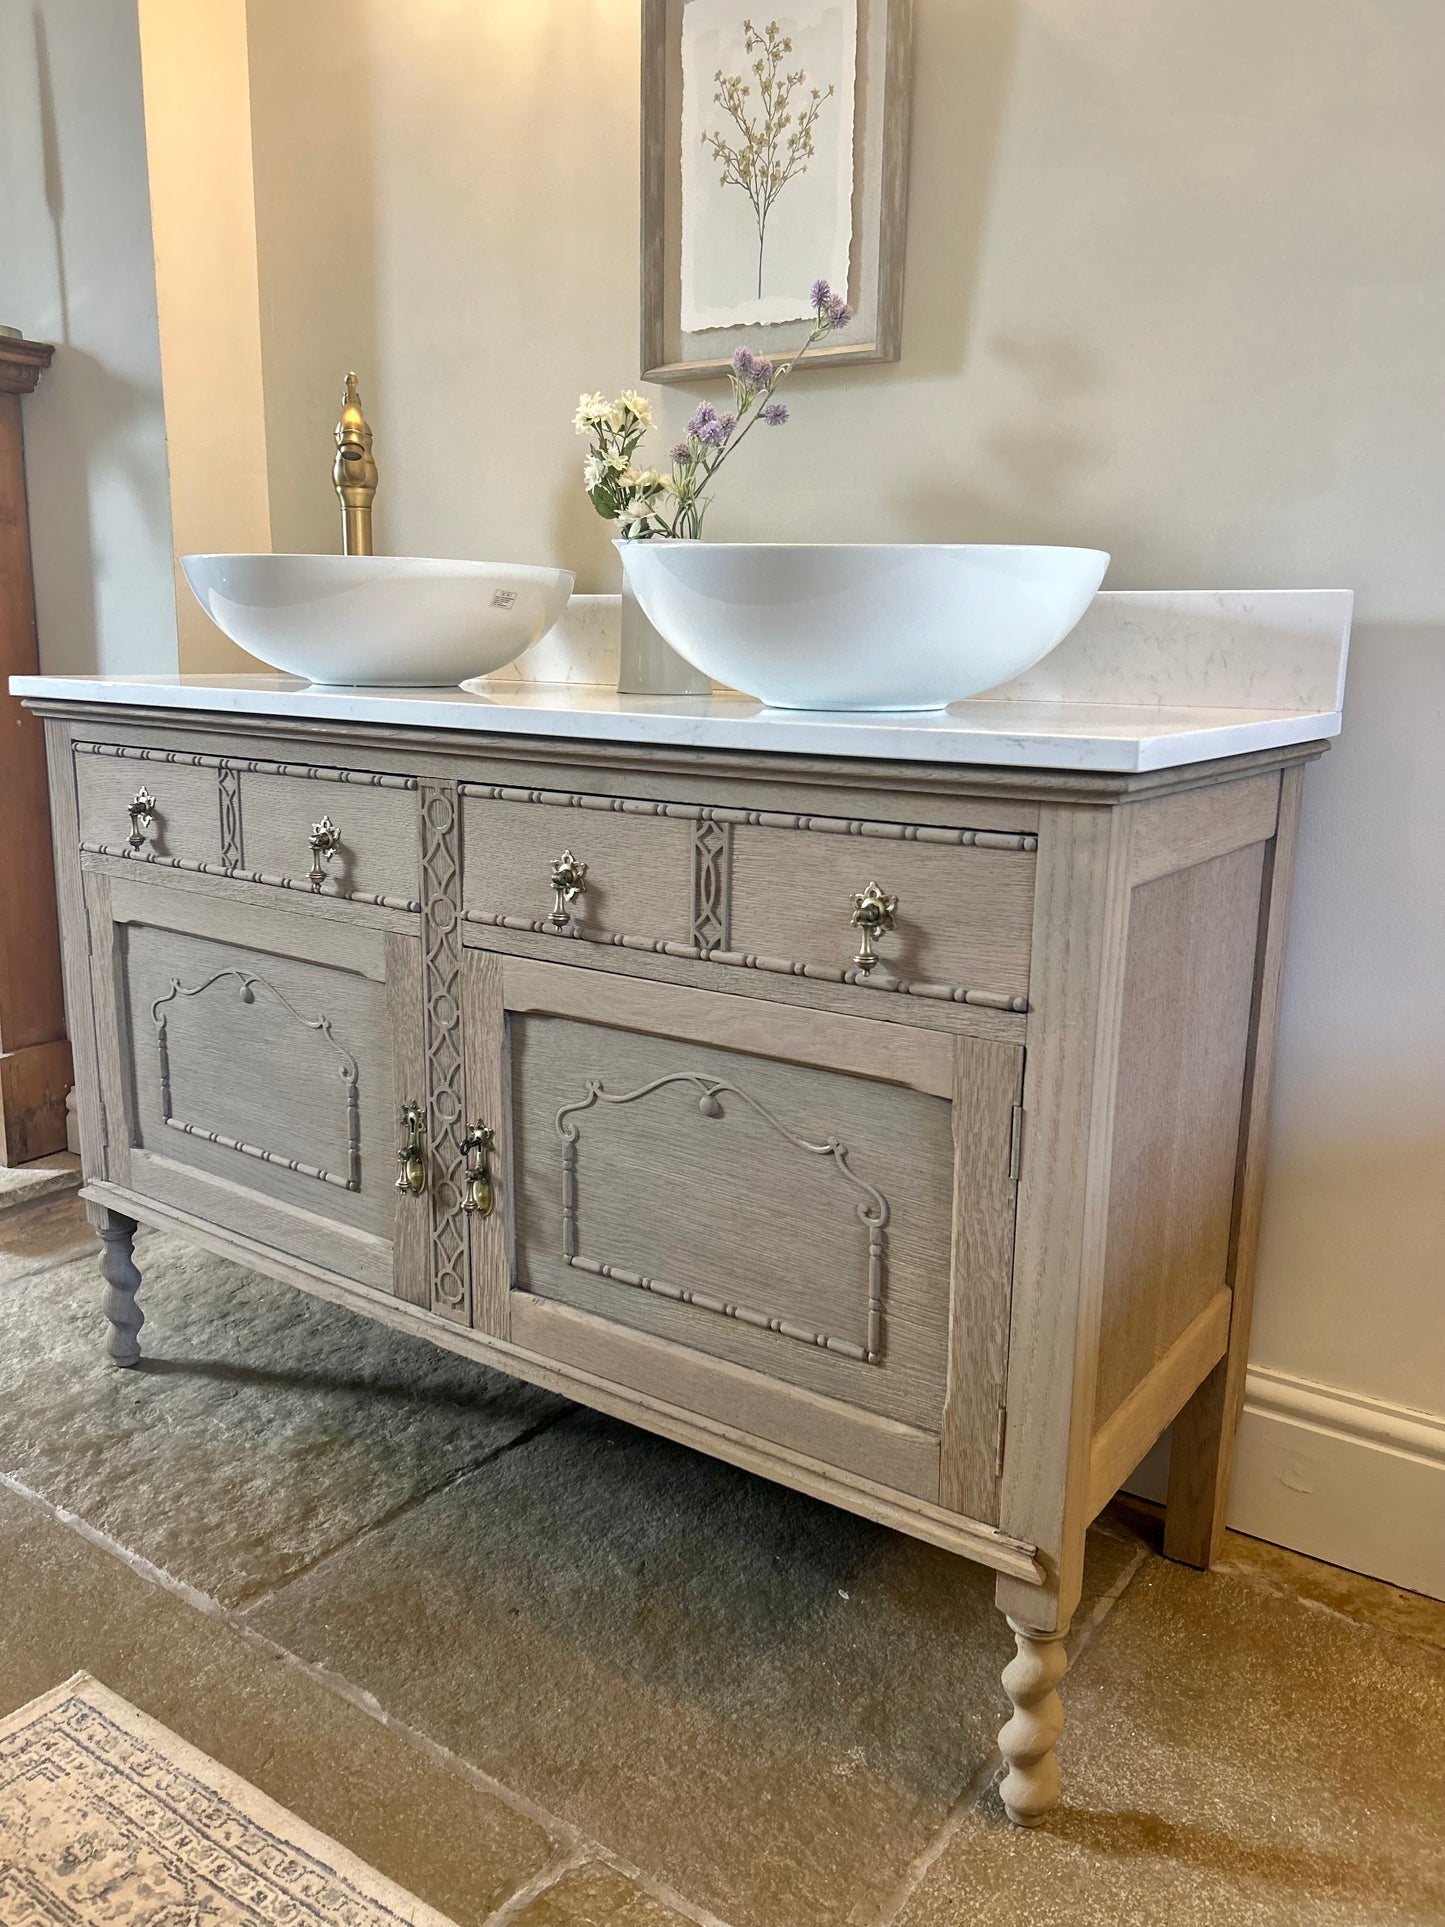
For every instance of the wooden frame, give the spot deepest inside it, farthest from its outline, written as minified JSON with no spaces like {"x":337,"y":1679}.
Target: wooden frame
{"x":880,"y":207}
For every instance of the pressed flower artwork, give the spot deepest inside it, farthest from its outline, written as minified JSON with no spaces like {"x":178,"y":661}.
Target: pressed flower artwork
{"x":774,"y":153}
{"x":767,"y":158}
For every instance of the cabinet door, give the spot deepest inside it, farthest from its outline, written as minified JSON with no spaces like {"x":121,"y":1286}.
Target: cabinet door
{"x":792,"y":1222}
{"x":253,"y":1065}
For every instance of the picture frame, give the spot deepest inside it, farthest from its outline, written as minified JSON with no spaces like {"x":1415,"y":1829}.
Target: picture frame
{"x":848,"y":203}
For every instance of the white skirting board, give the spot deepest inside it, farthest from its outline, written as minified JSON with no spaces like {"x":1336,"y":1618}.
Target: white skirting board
{"x":1344,"y":1478}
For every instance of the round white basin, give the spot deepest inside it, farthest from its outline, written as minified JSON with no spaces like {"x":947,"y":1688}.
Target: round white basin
{"x":395,"y":620}
{"x":804,"y":625}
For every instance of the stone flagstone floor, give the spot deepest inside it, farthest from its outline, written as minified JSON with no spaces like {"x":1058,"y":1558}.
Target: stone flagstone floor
{"x":544,"y":1670}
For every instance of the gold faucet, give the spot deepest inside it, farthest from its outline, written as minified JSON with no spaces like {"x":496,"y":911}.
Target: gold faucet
{"x":355,"y":473}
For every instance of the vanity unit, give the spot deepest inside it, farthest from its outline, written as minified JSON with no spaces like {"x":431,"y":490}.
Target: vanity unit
{"x":876,"y":1103}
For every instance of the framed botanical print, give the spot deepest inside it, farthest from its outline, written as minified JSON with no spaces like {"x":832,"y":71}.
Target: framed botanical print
{"x":774,"y":155}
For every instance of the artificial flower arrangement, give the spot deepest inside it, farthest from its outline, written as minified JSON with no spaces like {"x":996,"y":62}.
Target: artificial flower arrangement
{"x":646,"y":503}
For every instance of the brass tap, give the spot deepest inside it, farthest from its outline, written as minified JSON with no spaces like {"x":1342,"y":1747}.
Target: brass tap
{"x":355,"y":473}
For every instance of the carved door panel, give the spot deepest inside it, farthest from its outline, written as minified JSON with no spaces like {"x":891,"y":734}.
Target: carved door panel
{"x":735,"y":1207}
{"x":253,"y":1063}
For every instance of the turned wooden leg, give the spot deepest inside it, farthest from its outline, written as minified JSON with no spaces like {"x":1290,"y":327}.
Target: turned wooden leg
{"x":122,"y":1282}
{"x":1031,"y":1784}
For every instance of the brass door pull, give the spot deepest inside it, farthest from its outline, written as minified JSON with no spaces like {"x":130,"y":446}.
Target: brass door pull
{"x":325,"y":840}
{"x":874,"y":914}
{"x":410,"y":1157}
{"x":569,"y":881}
{"x":142,"y":810}
{"x":479,"y":1194}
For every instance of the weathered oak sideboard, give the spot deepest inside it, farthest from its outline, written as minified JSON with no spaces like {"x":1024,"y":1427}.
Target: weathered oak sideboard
{"x":890,"y":1126}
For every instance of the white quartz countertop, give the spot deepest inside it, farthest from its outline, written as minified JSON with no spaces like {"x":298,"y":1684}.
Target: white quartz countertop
{"x":1150,"y":680}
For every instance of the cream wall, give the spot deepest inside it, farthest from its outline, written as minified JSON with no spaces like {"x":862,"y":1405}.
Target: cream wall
{"x":203,"y":225}
{"x":75,"y":269}
{"x":1176,"y":286}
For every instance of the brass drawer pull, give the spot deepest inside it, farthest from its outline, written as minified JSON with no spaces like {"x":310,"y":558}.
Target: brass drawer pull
{"x":142,"y":811}
{"x":325,"y":841}
{"x":411,"y":1156}
{"x":569,"y":881}
{"x":479,"y":1194}
{"x":874,"y":914}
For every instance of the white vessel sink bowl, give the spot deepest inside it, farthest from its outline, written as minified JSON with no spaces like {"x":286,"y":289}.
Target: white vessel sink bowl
{"x":394,"y":620}
{"x":861,"y":626}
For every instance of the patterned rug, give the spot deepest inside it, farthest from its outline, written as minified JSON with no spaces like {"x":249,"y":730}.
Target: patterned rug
{"x":108,"y":1820}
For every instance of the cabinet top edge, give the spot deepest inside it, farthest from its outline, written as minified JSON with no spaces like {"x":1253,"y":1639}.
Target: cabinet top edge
{"x":1017,"y":738}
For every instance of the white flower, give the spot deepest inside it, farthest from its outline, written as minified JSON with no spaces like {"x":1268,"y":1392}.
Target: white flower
{"x":648,"y":482}
{"x":592,"y":472}
{"x":619,"y":464}
{"x":591,"y":409}
{"x":638,"y":406}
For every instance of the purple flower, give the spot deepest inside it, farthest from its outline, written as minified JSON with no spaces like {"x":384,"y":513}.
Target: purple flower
{"x":820,"y":294}
{"x":702,"y":415}
{"x":839,"y":313}
{"x":775,"y":414}
{"x":751,"y":371}
{"x":714,"y":433}
{"x":682,"y":452}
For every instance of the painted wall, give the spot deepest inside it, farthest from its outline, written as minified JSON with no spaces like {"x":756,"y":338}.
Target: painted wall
{"x":75,"y":269}
{"x":198,"y":136}
{"x":1176,"y":286}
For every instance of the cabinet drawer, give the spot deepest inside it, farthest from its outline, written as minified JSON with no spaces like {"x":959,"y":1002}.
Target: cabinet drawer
{"x":758,"y":889}
{"x":254,"y":819}
{"x":183,"y":824}
{"x":373,"y":818}
{"x":638,"y":858}
{"x":963,"y":917}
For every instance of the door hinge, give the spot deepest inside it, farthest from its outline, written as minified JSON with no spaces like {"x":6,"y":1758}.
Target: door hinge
{"x":998,"y":1452}
{"x":1016,"y":1143}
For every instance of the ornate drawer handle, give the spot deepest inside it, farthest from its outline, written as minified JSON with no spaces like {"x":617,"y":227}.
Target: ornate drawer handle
{"x":142,"y":810}
{"x":569,"y":881}
{"x":874,"y":913}
{"x":325,"y":841}
{"x":410,"y":1157}
{"x":479,"y":1194}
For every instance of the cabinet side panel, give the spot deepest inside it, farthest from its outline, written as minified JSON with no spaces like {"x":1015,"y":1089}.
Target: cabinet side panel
{"x":1204,"y":1432}
{"x":1188,"y":979}
{"x":987,"y":1080}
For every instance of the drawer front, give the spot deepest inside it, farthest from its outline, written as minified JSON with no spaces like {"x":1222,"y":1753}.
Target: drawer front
{"x":373,"y":819}
{"x":638,"y":858}
{"x":962,"y":917}
{"x":182,"y":824}
{"x":759,"y":890}
{"x":254,"y":819}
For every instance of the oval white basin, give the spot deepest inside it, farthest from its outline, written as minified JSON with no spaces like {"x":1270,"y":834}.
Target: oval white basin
{"x":803,"y":625}
{"x":395,"y":620}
